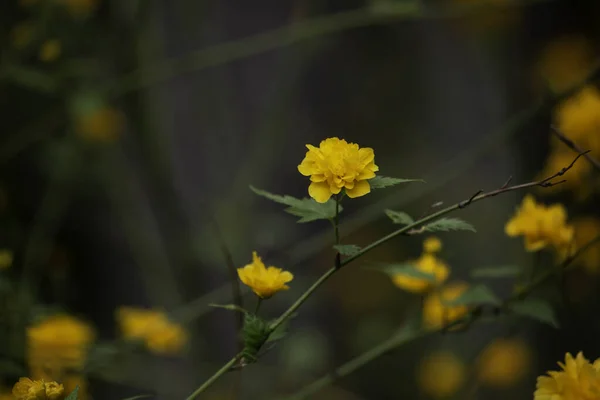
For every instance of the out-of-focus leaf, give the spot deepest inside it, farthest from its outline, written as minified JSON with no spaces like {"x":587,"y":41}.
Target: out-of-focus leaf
{"x":537,"y":309}
{"x":74,"y":394}
{"x":503,"y":271}
{"x":230,"y":307}
{"x":405,"y":269}
{"x":399,"y":217}
{"x":449,"y":224}
{"x":380,"y":182}
{"x":347,"y":249}
{"x":307,"y":209}
{"x":282,"y":330}
{"x":141,"y":396}
{"x":474,"y":295}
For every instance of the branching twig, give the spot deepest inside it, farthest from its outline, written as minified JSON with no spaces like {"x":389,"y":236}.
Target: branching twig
{"x":573,"y":146}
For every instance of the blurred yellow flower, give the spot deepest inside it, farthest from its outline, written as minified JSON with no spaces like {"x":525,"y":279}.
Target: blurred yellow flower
{"x":441,"y":375}
{"x":565,"y":62}
{"x":541,"y":226}
{"x":337,"y":165}
{"x":427,"y":263}
{"x":6,"y":259}
{"x":576,"y":177}
{"x":57,"y":343}
{"x":578,"y":118}
{"x":50,"y":50}
{"x":154,"y":328}
{"x":436,"y":314}
{"x":578,"y":380}
{"x":22,"y":35}
{"x":80,"y":8}
{"x":102,"y":125}
{"x":504,"y":362}
{"x":27,"y":389}
{"x":586,"y":229}
{"x":265,"y":282}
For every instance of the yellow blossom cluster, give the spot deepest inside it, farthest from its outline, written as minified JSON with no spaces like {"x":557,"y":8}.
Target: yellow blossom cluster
{"x":504,"y":362}
{"x":159,"y":334}
{"x":441,"y":374}
{"x":58,"y":345}
{"x":437,"y":313}
{"x":263,"y":281}
{"x":27,"y":389}
{"x":337,"y":165}
{"x":578,"y":379}
{"x":427,"y":263}
{"x":542,"y":226}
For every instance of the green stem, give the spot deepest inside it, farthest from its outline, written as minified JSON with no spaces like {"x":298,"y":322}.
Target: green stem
{"x":214,"y":378}
{"x":336,"y":219}
{"x":258,"y":303}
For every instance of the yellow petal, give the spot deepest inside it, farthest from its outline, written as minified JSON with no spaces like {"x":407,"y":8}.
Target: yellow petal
{"x":360,"y":189}
{"x":319,"y":191}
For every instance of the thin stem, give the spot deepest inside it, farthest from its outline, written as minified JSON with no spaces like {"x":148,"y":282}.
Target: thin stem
{"x":573,"y":146}
{"x":402,"y":338}
{"x":214,"y":378}
{"x":336,"y":219}
{"x":258,"y":303}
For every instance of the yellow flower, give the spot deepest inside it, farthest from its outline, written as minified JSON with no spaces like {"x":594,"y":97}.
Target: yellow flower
{"x":265,"y":282}
{"x":428,"y":263}
{"x":57,"y":343}
{"x":578,"y":118}
{"x":336,"y":165}
{"x":586,"y":229}
{"x":504,"y":362}
{"x":101,"y":125}
{"x":576,"y":177}
{"x":436,"y":314}
{"x":565,"y":62}
{"x":578,"y":380}
{"x":27,"y":389}
{"x":50,"y":50}
{"x":441,"y":374}
{"x":6,"y":259}
{"x":154,"y":328}
{"x":22,"y":35}
{"x":541,"y":226}
{"x":80,"y":8}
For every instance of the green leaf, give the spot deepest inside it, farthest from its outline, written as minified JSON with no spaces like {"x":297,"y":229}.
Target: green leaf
{"x":380,"y":182}
{"x":74,"y":394}
{"x":406,"y":269}
{"x":347,"y":249}
{"x":503,"y":271}
{"x":307,"y":209}
{"x":473,"y":296}
{"x":282,"y":330}
{"x":537,"y":309}
{"x":399,"y":217}
{"x":449,"y":224}
{"x":231,"y":307}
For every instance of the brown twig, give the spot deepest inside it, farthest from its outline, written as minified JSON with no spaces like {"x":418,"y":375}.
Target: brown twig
{"x":573,"y":146}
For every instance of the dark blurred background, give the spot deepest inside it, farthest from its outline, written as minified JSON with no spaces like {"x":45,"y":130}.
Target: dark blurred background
{"x":131,"y":131}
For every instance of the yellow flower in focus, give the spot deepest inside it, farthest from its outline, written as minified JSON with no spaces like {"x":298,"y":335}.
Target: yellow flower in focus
{"x":265,"y":282}
{"x":441,"y":375}
{"x":50,"y":50}
{"x":337,"y":165}
{"x":565,"y":62}
{"x":57,"y":343}
{"x":586,"y":229}
{"x":80,"y":8}
{"x":427,"y":263}
{"x":102,"y":125}
{"x":541,"y":226}
{"x":27,"y":389}
{"x":436,"y":314}
{"x":154,"y":328}
{"x":6,"y":259}
{"x":22,"y":35}
{"x":504,"y":362}
{"x":578,"y":380}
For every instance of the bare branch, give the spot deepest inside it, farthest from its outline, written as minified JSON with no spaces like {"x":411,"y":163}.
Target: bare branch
{"x":573,"y":146}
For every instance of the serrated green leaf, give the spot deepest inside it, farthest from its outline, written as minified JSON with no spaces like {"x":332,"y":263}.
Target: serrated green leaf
{"x":347,"y":249}
{"x":406,"y":269}
{"x":307,"y":209}
{"x":473,"y":296}
{"x":399,"y":217}
{"x":74,"y":394}
{"x":380,"y":182}
{"x":230,"y":307}
{"x":537,"y":309}
{"x":503,"y":271}
{"x":449,"y":224}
